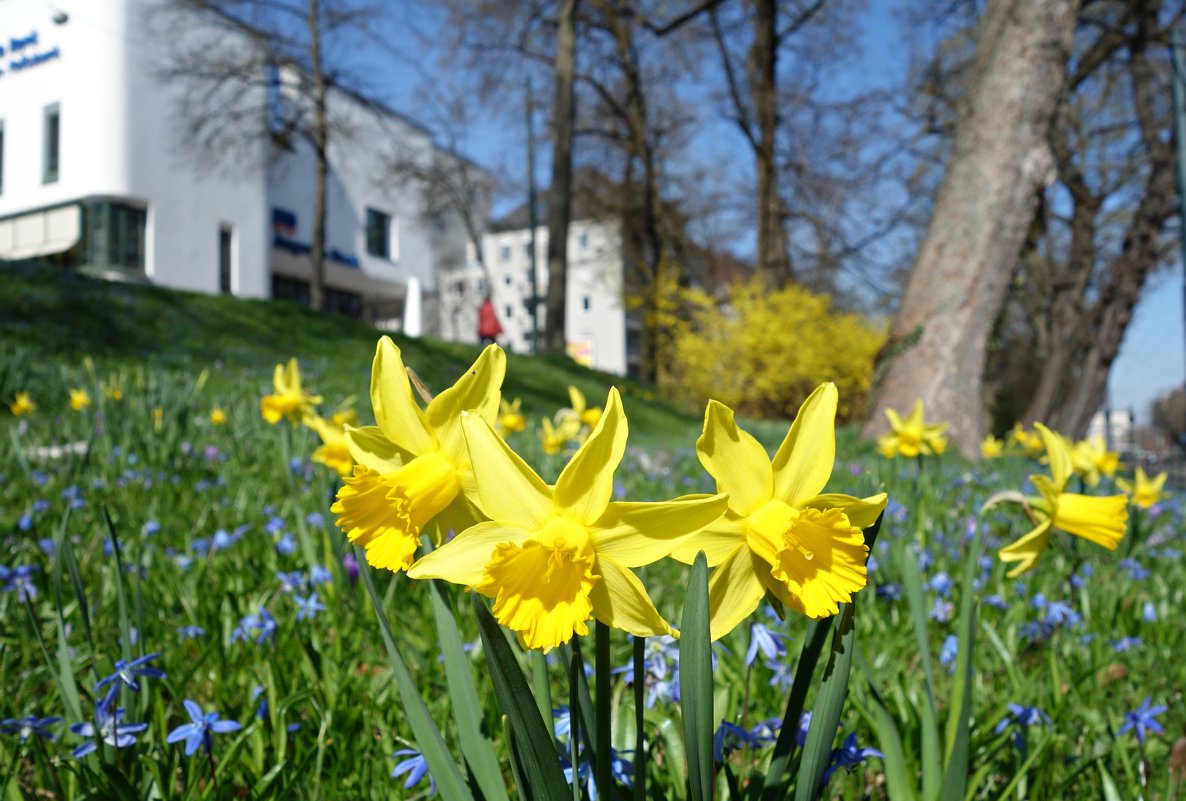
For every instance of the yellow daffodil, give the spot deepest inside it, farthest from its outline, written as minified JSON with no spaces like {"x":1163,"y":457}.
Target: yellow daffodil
{"x":555,"y":437}
{"x":344,"y":417}
{"x":290,"y":400}
{"x":991,"y":447}
{"x":158,"y":418}
{"x":554,"y":557}
{"x":413,"y":466}
{"x":1029,"y":441}
{"x":912,"y":436}
{"x":22,"y":404}
{"x":334,"y":452}
{"x":510,"y":419}
{"x":588,"y":415}
{"x":80,"y":400}
{"x":217,"y":416}
{"x":1091,"y":458}
{"x":114,"y":392}
{"x":1098,"y":519}
{"x":1145,"y":491}
{"x":780,"y":535}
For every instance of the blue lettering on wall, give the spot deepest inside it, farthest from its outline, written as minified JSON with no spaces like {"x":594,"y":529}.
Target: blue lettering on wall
{"x":16,"y":44}
{"x":22,"y":50}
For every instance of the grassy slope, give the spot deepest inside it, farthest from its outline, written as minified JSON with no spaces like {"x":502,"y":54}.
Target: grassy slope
{"x":55,"y":319}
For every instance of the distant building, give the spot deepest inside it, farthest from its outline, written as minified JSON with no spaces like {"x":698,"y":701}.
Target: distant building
{"x":95,"y":172}
{"x":598,"y":331}
{"x":1116,"y":427}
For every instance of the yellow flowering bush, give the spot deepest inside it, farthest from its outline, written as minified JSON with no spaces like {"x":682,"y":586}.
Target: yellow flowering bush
{"x":767,"y":349}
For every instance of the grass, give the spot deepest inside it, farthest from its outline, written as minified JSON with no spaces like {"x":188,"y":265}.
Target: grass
{"x":164,"y":521}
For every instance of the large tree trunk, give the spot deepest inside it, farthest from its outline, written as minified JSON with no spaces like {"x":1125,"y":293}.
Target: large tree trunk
{"x":983,"y":209}
{"x":773,"y":259}
{"x":1093,"y":306}
{"x":321,"y":160}
{"x":560,"y":193}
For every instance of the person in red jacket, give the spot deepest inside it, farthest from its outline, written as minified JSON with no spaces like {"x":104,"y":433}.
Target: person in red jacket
{"x":488,"y":325}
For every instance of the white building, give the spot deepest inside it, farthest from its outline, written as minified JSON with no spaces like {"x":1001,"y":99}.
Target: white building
{"x":598,"y":331}
{"x":96,"y":172}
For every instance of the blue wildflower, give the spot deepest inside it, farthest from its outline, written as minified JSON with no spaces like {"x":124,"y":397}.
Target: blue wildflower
{"x":29,"y":725}
{"x":257,"y":692}
{"x":315,"y":519}
{"x":1136,"y":571}
{"x":293,"y":581}
{"x":126,"y":672}
{"x":949,"y":651}
{"x":191,"y":632}
{"x":890,"y":591}
{"x":263,"y":623}
{"x":1021,"y":718}
{"x":47,"y":546}
{"x":1149,"y":612}
{"x":286,"y":544}
{"x":769,"y":642}
{"x":320,"y":575}
{"x":150,"y":527}
{"x":200,"y":731}
{"x":1142,"y":718}
{"x":307,"y":608}
{"x":729,"y":737}
{"x":942,"y":610}
{"x":415,"y":766}
{"x":25,"y":522}
{"x":942,"y":584}
{"x":847,"y":755}
{"x":765,"y":731}
{"x":1125,"y":644}
{"x":107,"y":727}
{"x":995,"y":601}
{"x":20,"y":581}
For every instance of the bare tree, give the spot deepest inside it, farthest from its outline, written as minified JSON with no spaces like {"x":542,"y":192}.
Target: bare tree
{"x":560,"y":191}
{"x":983,"y":210}
{"x":235,"y":96}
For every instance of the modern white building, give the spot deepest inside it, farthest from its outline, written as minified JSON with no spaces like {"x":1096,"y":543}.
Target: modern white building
{"x":97,"y":170}
{"x":598,"y":331}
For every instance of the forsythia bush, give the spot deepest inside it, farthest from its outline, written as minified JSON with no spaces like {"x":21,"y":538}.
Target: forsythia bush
{"x":766,"y":350}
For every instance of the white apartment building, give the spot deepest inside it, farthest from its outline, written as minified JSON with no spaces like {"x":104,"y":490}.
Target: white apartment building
{"x":598,"y":331}
{"x":96,"y":172}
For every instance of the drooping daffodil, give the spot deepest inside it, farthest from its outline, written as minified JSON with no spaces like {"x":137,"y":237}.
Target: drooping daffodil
{"x":510,"y":419}
{"x":333,"y":452}
{"x":912,"y":436}
{"x":1098,"y":519}
{"x":554,"y":438}
{"x":1143,"y":490}
{"x":80,"y":400}
{"x":290,"y":399}
{"x":413,"y":467}
{"x":1090,"y":458}
{"x":580,"y":409}
{"x":780,"y":536}
{"x":1029,"y":441}
{"x":991,"y":447}
{"x":552,"y":558}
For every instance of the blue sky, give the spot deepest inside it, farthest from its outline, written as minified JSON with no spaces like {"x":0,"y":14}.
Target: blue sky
{"x":1152,"y":358}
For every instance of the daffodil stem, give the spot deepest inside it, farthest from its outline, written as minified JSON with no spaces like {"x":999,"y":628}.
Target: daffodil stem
{"x":640,"y":761}
{"x":1134,"y":530}
{"x":575,"y":723}
{"x":601,"y":664}
{"x":16,"y":755}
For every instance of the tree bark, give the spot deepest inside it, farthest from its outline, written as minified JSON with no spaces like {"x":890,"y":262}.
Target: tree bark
{"x":773,"y":259}
{"x":560,"y":192}
{"x":320,"y":138}
{"x":983,"y":209}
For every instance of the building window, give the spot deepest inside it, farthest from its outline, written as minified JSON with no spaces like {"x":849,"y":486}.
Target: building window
{"x":481,"y":285}
{"x":378,"y":234}
{"x":505,"y":253}
{"x":506,"y":279}
{"x":51,"y":144}
{"x":113,"y":235}
{"x":527,"y":250}
{"x":225,"y":244}
{"x":343,"y":302}
{"x":508,"y":308}
{"x":294,"y":289}
{"x":1,"y":157}
{"x":583,"y":242}
{"x":586,"y":302}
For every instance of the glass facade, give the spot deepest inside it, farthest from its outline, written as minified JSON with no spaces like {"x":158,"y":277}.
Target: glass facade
{"x":378,"y":233}
{"x":51,"y":146}
{"x":113,"y":235}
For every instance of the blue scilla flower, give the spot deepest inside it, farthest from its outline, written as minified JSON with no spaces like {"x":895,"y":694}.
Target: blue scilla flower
{"x":1039,"y":600}
{"x":729,"y":737}
{"x":1125,"y":644}
{"x":286,"y":544}
{"x":783,"y":676}
{"x":871,"y":564}
{"x":1149,"y":612}
{"x":948,"y":652}
{"x":769,"y":642}
{"x":200,"y":731}
{"x":561,"y":721}
{"x":263,"y":623}
{"x":1136,"y":571}
{"x":315,"y":519}
{"x":224,"y":539}
{"x":415,"y":766}
{"x":942,"y":584}
{"x":765,"y":731}
{"x":107,"y":728}
{"x":126,"y":672}
{"x":848,"y":755}
{"x":29,"y":725}
{"x":320,"y":575}
{"x":47,"y":546}
{"x":307,"y":608}
{"x":293,"y":581}
{"x":941,"y":610}
{"x":1143,"y":718}
{"x":20,"y":581}
{"x":191,"y":632}
{"x":257,"y":693}
{"x":25,"y":523}
{"x":40,"y":505}
{"x":890,"y":591}
{"x":274,"y":526}
{"x":150,"y":527}
{"x":995,"y":601}
{"x":1020,"y":719}
{"x":201,"y":546}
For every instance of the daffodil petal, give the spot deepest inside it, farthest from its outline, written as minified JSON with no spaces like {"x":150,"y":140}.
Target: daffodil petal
{"x":862,"y":513}
{"x":637,"y":534}
{"x":586,"y":484}
{"x":371,"y":448}
{"x":895,"y":420}
{"x":1026,"y":550}
{"x":735,"y":459}
{"x":396,"y":411}
{"x":717,"y":540}
{"x":1101,"y":520}
{"x":479,"y":389}
{"x":734,"y":592}
{"x":1058,"y":454}
{"x":620,"y":600}
{"x":463,"y":559}
{"x":507,"y":487}
{"x":804,"y":461}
